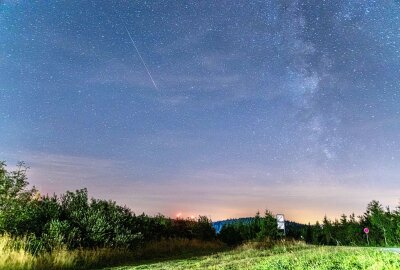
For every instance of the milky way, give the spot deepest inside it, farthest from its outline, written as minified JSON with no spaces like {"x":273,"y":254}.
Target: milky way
{"x":290,"y":105}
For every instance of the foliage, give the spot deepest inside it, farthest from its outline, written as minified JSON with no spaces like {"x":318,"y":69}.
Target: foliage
{"x":73,"y":230}
{"x":383,"y":224}
{"x":73,"y":220}
{"x":235,"y":232}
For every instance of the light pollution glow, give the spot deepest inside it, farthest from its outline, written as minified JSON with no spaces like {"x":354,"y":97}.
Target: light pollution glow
{"x":287,"y":105}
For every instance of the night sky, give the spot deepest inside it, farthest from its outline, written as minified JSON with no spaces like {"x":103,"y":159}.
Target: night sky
{"x":222,"y":109}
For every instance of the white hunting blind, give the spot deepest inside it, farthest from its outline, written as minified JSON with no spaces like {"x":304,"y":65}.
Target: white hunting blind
{"x":280,"y":220}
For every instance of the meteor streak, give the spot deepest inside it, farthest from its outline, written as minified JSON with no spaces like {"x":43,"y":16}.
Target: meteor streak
{"x":136,"y":48}
{"x":140,"y":56}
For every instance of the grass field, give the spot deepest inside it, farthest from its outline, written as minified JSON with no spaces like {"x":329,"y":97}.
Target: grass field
{"x":297,"y":257}
{"x":185,"y":254}
{"x":13,"y":254}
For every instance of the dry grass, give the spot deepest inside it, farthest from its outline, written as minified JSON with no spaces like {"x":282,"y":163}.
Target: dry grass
{"x":193,"y":254}
{"x":13,"y":254}
{"x":273,"y":244}
{"x":178,"y":247}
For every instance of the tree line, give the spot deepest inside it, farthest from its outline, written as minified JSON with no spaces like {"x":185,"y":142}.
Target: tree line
{"x":258,"y":228}
{"x":74,"y":220}
{"x":382,"y":224}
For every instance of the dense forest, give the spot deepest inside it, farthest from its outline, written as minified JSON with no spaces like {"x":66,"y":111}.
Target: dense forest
{"x":235,"y":231}
{"x":74,"y":220}
{"x":382,"y":223}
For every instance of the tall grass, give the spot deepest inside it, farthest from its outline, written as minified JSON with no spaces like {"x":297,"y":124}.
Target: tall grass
{"x":179,"y":247}
{"x":14,"y":254}
{"x":283,"y":256}
{"x":274,"y":245}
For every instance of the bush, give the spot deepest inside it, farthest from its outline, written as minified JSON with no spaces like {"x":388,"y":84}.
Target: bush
{"x":75,"y":221}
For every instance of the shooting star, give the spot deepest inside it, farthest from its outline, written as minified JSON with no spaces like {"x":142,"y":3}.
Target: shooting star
{"x":141,"y":58}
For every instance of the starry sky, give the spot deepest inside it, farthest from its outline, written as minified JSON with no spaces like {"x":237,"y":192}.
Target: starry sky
{"x":219,"y":108}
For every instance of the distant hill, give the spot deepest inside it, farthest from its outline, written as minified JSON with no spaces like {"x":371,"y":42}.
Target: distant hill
{"x":219,"y":224}
{"x":292,"y":228}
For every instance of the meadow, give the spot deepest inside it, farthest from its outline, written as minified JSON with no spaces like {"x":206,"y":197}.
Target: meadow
{"x":15,"y":255}
{"x":195,"y":254}
{"x":297,"y":257}
{"x":73,"y":231}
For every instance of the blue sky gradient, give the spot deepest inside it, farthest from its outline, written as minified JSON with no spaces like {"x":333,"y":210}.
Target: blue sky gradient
{"x":286,"y":105}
